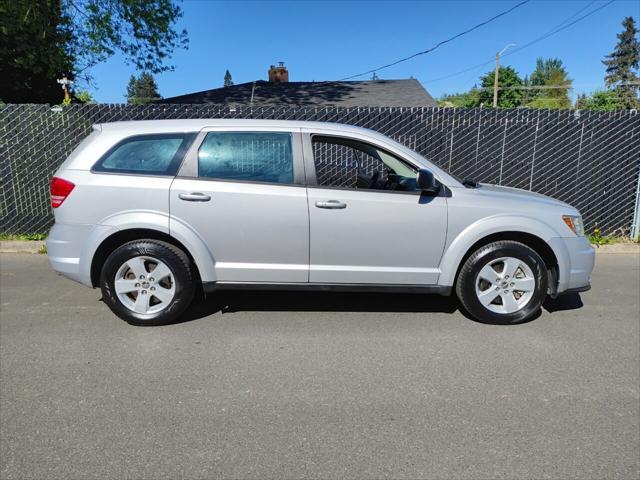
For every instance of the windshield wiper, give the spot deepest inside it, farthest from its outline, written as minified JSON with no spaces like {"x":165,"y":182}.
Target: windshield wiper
{"x":470,"y":183}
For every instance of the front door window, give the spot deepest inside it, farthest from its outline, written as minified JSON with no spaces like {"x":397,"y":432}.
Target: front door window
{"x":347,"y":163}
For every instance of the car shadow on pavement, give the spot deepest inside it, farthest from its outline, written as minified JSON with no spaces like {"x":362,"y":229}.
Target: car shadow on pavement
{"x":278,"y":301}
{"x":569,"y":301}
{"x":244,"y":301}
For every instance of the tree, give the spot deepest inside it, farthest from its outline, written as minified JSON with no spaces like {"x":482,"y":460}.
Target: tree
{"x":606,"y":100}
{"x":544,"y":69}
{"x":228,"y":81}
{"x":131,"y":89}
{"x":35,"y":50}
{"x":40,"y":39}
{"x":82,"y":96}
{"x":622,"y":66}
{"x":468,"y":99}
{"x":546,"y":76}
{"x":142,"y":90}
{"x":509,"y":95}
{"x":142,"y":31}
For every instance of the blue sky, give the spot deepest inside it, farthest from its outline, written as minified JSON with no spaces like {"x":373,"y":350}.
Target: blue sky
{"x":332,"y":39}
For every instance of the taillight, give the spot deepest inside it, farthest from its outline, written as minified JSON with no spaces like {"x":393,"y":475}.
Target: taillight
{"x":60,"y":190}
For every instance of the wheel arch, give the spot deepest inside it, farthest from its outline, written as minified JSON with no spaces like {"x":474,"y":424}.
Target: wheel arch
{"x":467,"y":242}
{"x":121,"y":237}
{"x":536,"y":243}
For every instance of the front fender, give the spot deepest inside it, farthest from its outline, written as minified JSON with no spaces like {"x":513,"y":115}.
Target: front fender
{"x":464,"y":240}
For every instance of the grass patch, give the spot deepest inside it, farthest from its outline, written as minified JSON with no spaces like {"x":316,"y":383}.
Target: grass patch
{"x":22,"y":236}
{"x":42,"y":250}
{"x":596,"y":238}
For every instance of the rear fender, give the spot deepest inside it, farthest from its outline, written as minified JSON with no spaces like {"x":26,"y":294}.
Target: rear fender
{"x":158,"y":221}
{"x":197,"y":248}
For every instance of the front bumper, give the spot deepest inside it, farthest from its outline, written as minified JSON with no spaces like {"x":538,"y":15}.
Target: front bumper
{"x":576,"y":259}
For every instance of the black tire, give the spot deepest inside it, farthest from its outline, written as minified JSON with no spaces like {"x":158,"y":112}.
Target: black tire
{"x":468,"y":276}
{"x":177,"y":261}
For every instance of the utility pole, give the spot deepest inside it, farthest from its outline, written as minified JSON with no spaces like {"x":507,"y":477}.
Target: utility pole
{"x":253,"y":89}
{"x":495,"y":76}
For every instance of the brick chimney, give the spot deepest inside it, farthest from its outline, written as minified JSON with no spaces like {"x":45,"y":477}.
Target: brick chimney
{"x":278,"y":74}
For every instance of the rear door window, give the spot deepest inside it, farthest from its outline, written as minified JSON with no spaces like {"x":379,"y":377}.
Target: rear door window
{"x":247,"y":156}
{"x":146,"y":154}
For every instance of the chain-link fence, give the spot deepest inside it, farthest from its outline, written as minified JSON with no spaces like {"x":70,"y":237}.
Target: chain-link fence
{"x":590,"y":160}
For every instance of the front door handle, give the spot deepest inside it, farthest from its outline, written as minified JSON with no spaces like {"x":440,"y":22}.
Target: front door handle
{"x":331,"y":204}
{"x":195,"y":197}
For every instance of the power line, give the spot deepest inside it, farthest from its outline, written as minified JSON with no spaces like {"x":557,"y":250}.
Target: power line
{"x":553,"y":32}
{"x":424,"y":52}
{"x":558,"y":28}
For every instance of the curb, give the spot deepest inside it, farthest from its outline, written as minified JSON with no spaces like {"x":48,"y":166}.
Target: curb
{"x":619,"y":248}
{"x":17,"y":246}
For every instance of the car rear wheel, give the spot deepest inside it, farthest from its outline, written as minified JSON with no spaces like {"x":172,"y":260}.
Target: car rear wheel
{"x":504,"y":283}
{"x":147,"y":282}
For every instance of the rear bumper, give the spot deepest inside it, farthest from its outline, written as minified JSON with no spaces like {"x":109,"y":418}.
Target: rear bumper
{"x":576,"y":259}
{"x":70,"y":249}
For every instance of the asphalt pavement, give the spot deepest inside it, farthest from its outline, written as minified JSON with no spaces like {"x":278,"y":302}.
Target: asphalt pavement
{"x":293,"y":385}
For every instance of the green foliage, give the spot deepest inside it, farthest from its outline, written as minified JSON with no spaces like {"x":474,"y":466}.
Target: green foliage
{"x":605,"y":100}
{"x":622,"y":66}
{"x":596,"y":238}
{"x":131,"y":89}
{"x":143,"y":31}
{"x":35,"y":49}
{"x":82,"y":96}
{"x":142,"y":90}
{"x":40,"y":40}
{"x":23,"y":236}
{"x":509,"y":95}
{"x":468,"y":99}
{"x":548,"y":103}
{"x":228,"y":80}
{"x":544,"y":69}
{"x":548,"y":74}
{"x":43,"y":250}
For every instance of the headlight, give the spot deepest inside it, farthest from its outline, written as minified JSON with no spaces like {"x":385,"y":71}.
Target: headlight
{"x":574,"y":222}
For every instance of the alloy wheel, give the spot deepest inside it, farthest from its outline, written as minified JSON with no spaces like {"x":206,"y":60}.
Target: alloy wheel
{"x":145,"y":285}
{"x":505,"y":285}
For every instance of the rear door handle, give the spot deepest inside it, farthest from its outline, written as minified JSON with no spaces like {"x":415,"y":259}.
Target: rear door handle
{"x":331,"y":204}
{"x":194,"y":197}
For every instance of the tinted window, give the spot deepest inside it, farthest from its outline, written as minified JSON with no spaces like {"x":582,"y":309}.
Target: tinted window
{"x":247,"y":156}
{"x":351,"y":164}
{"x":339,"y":165}
{"x":150,"y":154}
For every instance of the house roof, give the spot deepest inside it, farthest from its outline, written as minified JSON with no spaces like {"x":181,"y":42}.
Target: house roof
{"x":369,"y":93}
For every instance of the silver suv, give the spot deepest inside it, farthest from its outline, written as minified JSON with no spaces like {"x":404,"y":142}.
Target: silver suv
{"x":153,"y":211}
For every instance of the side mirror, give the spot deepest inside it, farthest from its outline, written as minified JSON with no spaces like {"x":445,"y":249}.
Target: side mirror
{"x":426,"y":182}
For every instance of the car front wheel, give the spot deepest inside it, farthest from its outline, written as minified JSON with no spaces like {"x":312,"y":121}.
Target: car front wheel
{"x":504,"y":282}
{"x":147,"y":282}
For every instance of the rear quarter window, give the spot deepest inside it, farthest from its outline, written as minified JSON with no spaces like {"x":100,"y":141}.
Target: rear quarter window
{"x":146,"y":155}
